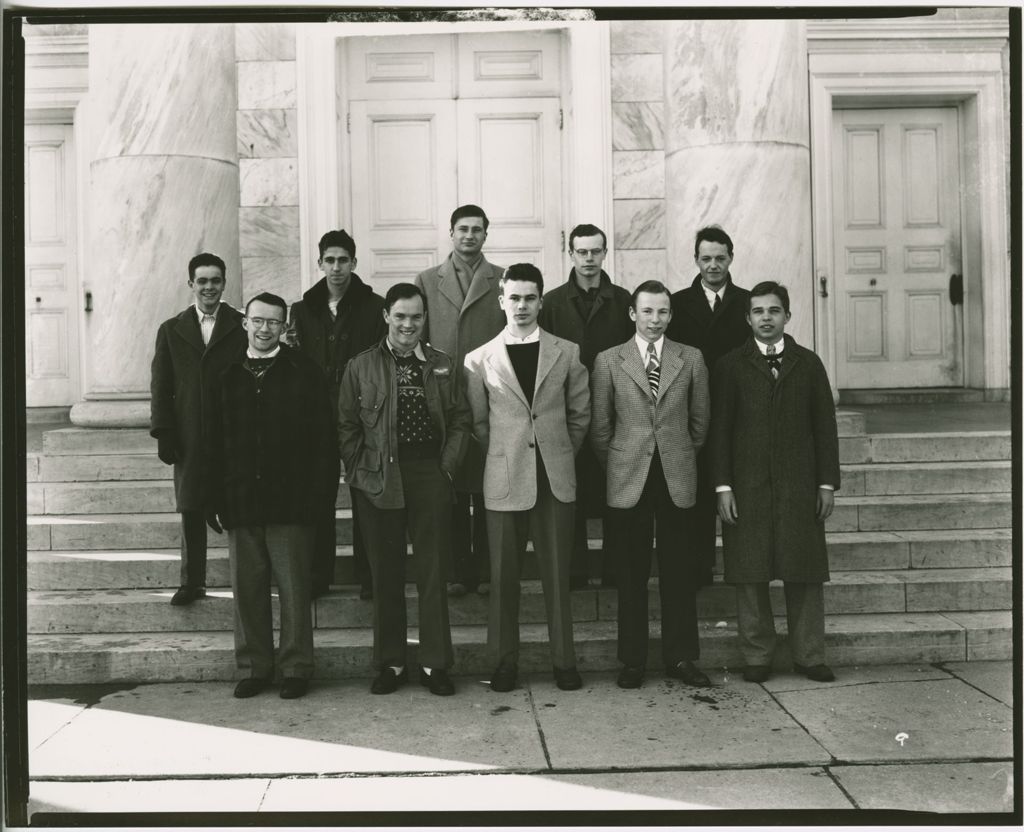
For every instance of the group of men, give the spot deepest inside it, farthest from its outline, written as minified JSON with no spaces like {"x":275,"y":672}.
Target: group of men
{"x":473,"y":412}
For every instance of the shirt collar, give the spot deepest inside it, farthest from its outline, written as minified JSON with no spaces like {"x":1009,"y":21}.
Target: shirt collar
{"x":641,"y":344}
{"x":710,"y":294}
{"x":417,"y":350}
{"x":201,"y":314}
{"x":779,"y":346}
{"x":532,"y":338}
{"x":257,"y":357}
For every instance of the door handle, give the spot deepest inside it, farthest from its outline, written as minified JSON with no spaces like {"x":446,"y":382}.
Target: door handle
{"x":88,"y":301}
{"x":956,"y":289}
{"x":823,"y":286}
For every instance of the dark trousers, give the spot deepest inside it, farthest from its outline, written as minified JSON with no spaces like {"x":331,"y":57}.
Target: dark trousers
{"x":634,"y":530}
{"x":549,"y":523}
{"x":193,"y":548}
{"x":426,"y":517}
{"x":701,"y":547}
{"x":325,"y":548}
{"x":470,"y":550}
{"x":590,"y":502}
{"x":285,"y":553}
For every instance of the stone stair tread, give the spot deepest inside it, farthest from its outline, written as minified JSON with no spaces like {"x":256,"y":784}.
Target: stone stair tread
{"x":941,"y":434}
{"x":140,"y":518}
{"x":932,"y":465}
{"x":921,"y":499}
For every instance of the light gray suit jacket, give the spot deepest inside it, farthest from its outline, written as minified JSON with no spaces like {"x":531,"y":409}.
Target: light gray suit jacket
{"x":629,"y":424}
{"x":510,"y":432}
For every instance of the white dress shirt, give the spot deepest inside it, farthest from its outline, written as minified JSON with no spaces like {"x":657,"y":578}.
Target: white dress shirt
{"x":642,"y":343}
{"x":207,"y":322}
{"x":533,"y":337}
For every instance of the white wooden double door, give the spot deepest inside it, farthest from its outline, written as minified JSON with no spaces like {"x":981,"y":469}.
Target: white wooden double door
{"x":438,"y":121}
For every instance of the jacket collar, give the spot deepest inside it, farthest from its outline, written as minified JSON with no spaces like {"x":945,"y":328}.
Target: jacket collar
{"x":633,"y":364}
{"x":604,"y":287}
{"x":497,"y":357}
{"x":790,"y":357}
{"x":187,"y":326}
{"x":317,"y":295}
{"x":485,"y":275}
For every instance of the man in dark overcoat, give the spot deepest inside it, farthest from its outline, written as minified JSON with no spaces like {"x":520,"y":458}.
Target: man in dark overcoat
{"x":192,"y":348}
{"x":775,"y":463}
{"x":271,"y":443}
{"x":462,"y":314}
{"x":337,"y":318}
{"x":589,"y":310}
{"x":711,"y":315}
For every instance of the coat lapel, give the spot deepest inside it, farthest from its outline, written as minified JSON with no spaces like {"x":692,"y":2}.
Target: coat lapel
{"x":754,"y":356}
{"x":498,"y":358}
{"x":483,"y":278}
{"x":633,"y":366}
{"x":789,"y":358}
{"x":188,"y":329}
{"x":448,"y":285}
{"x":548,"y":355}
{"x":671,"y":365}
{"x":225,"y":323}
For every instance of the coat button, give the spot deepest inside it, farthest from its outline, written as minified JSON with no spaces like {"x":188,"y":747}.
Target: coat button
{"x":330,"y":338}
{"x":531,"y":444}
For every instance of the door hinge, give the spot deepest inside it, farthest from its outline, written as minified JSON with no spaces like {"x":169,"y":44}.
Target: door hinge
{"x":563,"y":241}
{"x":348,"y":123}
{"x":561,"y":118}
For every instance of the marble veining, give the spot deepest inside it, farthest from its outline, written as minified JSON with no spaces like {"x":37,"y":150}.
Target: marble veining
{"x":268,"y":182}
{"x":638,"y":126}
{"x":279,"y":275}
{"x":265,"y":41}
{"x":637,"y":77}
{"x":638,"y":173}
{"x":639,"y":223}
{"x":634,"y":266}
{"x":268,"y":232}
{"x":266,"y":84}
{"x":266,"y":133}
{"x":736,"y":80}
{"x":637,"y":36}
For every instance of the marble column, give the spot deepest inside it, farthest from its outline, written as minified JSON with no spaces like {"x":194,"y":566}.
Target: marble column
{"x":737,"y":152}
{"x":162,"y":187}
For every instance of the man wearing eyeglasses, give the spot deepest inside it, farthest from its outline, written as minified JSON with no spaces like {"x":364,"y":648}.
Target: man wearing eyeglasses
{"x":589,"y":310}
{"x":339,"y":317}
{"x":192,"y":348}
{"x":271,"y":450}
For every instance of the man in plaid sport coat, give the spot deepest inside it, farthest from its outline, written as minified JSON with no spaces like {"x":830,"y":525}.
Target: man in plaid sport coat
{"x":650,"y":409}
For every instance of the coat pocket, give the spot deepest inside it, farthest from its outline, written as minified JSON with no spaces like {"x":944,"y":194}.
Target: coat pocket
{"x":368,"y":475}
{"x":496,"y":480}
{"x":371,"y":403}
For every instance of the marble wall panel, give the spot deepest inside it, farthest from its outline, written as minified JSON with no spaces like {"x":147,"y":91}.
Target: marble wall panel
{"x":268,"y":232}
{"x":265,"y":41}
{"x":163,"y":89}
{"x":736,"y":80}
{"x":633,"y":267}
{"x":637,"y":36}
{"x":760,"y":194}
{"x":639,"y":223}
{"x":637,"y":78}
{"x":638,"y":126}
{"x":268,"y":182}
{"x":266,"y":85}
{"x":279,"y":275}
{"x":147,"y":216}
{"x":638,"y":173}
{"x":266,"y":133}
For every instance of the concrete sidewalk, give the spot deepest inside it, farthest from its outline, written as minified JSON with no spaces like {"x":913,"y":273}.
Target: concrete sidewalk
{"x":910,"y":737}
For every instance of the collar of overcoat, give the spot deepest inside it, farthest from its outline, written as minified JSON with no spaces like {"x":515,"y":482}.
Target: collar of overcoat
{"x":633,"y":364}
{"x":699,"y":301}
{"x":484,"y":278}
{"x":497,"y":357}
{"x":188,"y":328}
{"x":790,"y":357}
{"x":604,"y":291}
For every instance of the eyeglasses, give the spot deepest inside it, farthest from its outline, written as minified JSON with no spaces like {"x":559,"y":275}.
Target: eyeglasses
{"x":583,"y":252}
{"x":272,"y":323}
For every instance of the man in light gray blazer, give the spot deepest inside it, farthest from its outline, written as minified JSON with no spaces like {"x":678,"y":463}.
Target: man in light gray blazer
{"x":650,"y":417}
{"x":531,"y":410}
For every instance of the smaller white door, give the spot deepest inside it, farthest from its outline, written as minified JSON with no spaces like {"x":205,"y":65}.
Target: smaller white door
{"x":51,"y":285}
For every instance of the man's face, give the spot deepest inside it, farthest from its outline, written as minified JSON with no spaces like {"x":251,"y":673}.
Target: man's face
{"x":521,"y":302}
{"x":587,"y":255}
{"x":336,"y":264}
{"x":468,"y":236}
{"x":767,"y":318}
{"x":263,"y":324}
{"x":713,"y":260}
{"x":652,"y":313}
{"x":207,"y":286}
{"x":405,"y":322}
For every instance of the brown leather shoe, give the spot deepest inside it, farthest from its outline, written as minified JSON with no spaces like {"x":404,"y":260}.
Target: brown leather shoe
{"x":438,"y":682}
{"x":504,"y":678}
{"x":689,"y":673}
{"x":815,"y":672}
{"x":757,"y":673}
{"x":250,"y":687}
{"x":186,"y":595}
{"x":388,"y":681}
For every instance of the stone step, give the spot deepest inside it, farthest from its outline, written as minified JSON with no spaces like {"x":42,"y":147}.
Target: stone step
{"x":882,"y":638}
{"x":148,"y":610}
{"x":98,"y":467}
{"x":146,"y":568}
{"x":903,"y":395}
{"x":877,"y":479}
{"x":913,"y":512}
{"x":955,"y":446}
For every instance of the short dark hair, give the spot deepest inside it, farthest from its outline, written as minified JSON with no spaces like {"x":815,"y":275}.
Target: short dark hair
{"x":468,"y":211}
{"x":712,"y":234}
{"x":587,"y":230}
{"x":653,"y":287}
{"x":522,"y":271}
{"x":206,"y":259}
{"x":269,"y":299}
{"x":339,"y":238}
{"x":403,"y":291}
{"x":771,"y":287}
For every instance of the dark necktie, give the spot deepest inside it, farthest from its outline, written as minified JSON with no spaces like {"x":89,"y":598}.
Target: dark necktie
{"x":773,"y":360}
{"x":715,"y":303}
{"x":653,"y":369}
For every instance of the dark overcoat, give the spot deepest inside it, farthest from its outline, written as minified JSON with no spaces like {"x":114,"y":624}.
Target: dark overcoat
{"x":272,"y":444}
{"x":183,"y":371}
{"x":774,"y":442}
{"x":713,"y":333}
{"x":331,"y":342}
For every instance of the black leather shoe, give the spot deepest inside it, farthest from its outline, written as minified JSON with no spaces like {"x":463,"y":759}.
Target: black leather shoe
{"x":456,"y":589}
{"x":293,"y":687}
{"x":187,"y":594}
{"x":630,"y":677}
{"x":504,"y":678}
{"x":815,"y":672}
{"x":250,"y":687}
{"x":437,"y":682}
{"x":568,"y":679}
{"x":689,"y":673}
{"x":388,"y":681}
{"x":366,"y":593}
{"x":757,"y":673}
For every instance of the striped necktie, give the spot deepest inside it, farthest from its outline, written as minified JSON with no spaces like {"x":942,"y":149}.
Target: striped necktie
{"x":653,"y":369}
{"x":773,"y":360}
